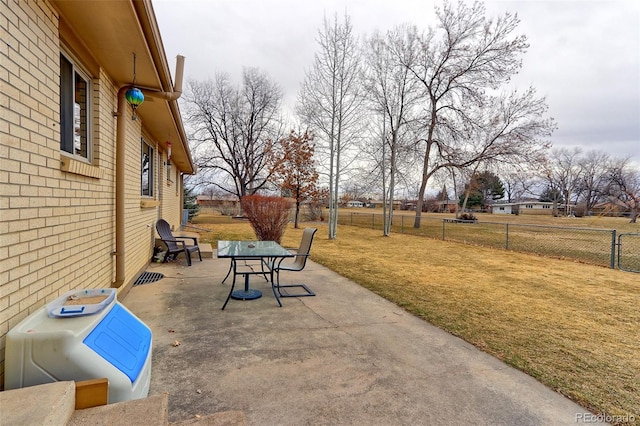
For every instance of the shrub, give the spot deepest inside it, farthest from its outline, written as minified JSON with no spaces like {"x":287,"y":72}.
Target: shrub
{"x":228,"y":208}
{"x":580,"y":210}
{"x":314,"y":212}
{"x":268,"y":216}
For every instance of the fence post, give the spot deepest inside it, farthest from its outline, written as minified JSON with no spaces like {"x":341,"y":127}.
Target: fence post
{"x":351,"y":216}
{"x":613,"y":249}
{"x":507,"y":245}
{"x":373,"y":221}
{"x":443,"y":222}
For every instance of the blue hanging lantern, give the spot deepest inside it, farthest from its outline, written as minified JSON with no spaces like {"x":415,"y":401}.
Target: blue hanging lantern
{"x":134,"y":98}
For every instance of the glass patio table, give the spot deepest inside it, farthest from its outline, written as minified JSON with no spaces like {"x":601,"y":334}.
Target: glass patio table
{"x":269,"y":253}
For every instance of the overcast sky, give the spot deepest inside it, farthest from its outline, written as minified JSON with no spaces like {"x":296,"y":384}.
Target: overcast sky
{"x":584,"y":55}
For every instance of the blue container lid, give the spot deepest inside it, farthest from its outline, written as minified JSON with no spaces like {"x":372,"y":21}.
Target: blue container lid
{"x":121,"y":339}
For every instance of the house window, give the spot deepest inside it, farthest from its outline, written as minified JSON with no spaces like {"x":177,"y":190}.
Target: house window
{"x":75,"y":107}
{"x":146,"y":162}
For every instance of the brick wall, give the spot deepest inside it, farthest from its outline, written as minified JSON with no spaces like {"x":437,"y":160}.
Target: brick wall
{"x":57,"y":215}
{"x":169,"y":185}
{"x":37,"y":227}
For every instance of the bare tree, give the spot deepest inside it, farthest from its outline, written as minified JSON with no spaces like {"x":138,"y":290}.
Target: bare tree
{"x":372,"y":170}
{"x":329,"y":101}
{"x":394,"y":93}
{"x":234,"y":129}
{"x":460,"y":59}
{"x":564,"y":174}
{"x":624,"y":187}
{"x":354,"y":189}
{"x":595,"y":167}
{"x":517,"y":182}
{"x":508,"y":129}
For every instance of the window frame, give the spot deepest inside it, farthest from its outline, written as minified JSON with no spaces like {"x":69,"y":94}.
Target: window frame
{"x":150,"y":153}
{"x":69,"y":77}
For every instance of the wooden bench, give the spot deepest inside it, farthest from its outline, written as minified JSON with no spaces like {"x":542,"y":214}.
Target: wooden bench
{"x":458,"y":221}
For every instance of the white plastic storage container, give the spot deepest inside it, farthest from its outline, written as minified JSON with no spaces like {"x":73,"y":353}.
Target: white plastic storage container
{"x":95,"y":342}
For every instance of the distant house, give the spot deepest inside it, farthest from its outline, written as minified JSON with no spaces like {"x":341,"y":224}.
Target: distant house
{"x":529,"y":208}
{"x":535,"y":207}
{"x":355,"y":203}
{"x":218,"y":201}
{"x":430,"y":205}
{"x":504,"y":208}
{"x":377,"y":204}
{"x":609,"y":208}
{"x":85,"y":176}
{"x":544,"y":207}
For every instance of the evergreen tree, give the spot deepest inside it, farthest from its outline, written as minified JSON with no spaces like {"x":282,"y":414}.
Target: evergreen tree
{"x":190,"y":203}
{"x":475,"y":199}
{"x":490,"y":187}
{"x":483,"y":188}
{"x":551,"y":195}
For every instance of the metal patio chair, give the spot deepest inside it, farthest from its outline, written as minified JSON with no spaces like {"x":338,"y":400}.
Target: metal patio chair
{"x":297,"y":264}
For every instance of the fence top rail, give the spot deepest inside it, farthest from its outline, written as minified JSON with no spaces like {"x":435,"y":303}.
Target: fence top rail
{"x":574,"y":228}
{"x":478,"y":222}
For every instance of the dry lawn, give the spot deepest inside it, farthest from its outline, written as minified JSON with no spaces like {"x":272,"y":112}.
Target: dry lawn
{"x":574,"y":327}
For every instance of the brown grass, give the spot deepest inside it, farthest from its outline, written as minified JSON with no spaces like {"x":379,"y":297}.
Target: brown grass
{"x":572,"y":326}
{"x":587,"y":239}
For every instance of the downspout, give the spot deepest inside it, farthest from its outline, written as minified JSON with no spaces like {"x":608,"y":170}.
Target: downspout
{"x":121,"y":131}
{"x":177,"y":86}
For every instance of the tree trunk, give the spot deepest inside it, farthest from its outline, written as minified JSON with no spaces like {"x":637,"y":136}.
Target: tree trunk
{"x":385,"y":218}
{"x":297,"y":214}
{"x":423,"y":185}
{"x":392,"y":172}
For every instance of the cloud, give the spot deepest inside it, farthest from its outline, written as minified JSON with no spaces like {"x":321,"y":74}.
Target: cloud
{"x":584,"y":56}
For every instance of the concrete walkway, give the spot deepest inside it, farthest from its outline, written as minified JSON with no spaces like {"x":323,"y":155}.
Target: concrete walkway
{"x":344,"y":357}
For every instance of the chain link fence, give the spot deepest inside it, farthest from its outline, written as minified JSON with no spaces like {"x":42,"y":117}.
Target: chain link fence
{"x":629,"y":252}
{"x":594,"y":246}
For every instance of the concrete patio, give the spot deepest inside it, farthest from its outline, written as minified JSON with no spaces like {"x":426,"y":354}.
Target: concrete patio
{"x":343,"y":357}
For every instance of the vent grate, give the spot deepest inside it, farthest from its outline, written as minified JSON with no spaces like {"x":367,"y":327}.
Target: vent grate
{"x":148,"y":277}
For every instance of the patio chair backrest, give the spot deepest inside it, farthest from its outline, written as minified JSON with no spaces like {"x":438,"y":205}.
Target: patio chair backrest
{"x":303,"y":251}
